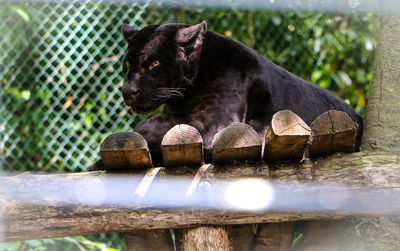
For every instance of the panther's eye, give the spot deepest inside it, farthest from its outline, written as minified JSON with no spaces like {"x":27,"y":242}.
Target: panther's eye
{"x":155,"y":63}
{"x":127,"y":64}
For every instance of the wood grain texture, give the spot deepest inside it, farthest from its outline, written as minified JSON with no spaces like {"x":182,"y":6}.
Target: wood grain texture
{"x":48,"y":215}
{"x":236,"y":142}
{"x":286,"y":137}
{"x":125,"y":150}
{"x":182,"y":145}
{"x":332,"y":131}
{"x":205,"y":239}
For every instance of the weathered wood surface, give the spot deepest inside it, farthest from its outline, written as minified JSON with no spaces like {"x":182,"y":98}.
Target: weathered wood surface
{"x":333,"y":131}
{"x":48,"y":215}
{"x":182,"y":145}
{"x":125,"y":150}
{"x":286,"y":137}
{"x":236,"y":142}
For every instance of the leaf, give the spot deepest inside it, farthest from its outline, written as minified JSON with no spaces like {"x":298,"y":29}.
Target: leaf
{"x":68,"y":102}
{"x":316,"y":75}
{"x":22,"y":14}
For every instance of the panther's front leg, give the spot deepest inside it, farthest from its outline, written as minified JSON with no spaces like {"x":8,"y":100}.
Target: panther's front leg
{"x":153,"y":130}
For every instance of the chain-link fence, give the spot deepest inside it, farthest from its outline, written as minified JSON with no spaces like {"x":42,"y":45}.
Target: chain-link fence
{"x":60,"y":66}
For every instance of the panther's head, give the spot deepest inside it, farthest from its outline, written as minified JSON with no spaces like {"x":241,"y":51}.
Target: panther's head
{"x":160,"y":63}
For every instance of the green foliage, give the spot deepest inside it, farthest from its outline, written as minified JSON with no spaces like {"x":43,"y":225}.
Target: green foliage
{"x":67,"y":244}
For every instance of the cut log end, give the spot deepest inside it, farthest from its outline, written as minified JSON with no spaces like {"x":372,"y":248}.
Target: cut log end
{"x":182,"y":145}
{"x":236,"y":142}
{"x":286,"y":137}
{"x":333,"y":131}
{"x":125,"y":150}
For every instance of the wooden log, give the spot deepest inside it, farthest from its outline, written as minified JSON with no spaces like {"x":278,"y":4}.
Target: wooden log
{"x":144,"y":240}
{"x":333,"y":131}
{"x":201,"y":238}
{"x":236,"y":142}
{"x":286,"y":137}
{"x":148,"y":239}
{"x":44,"y":206}
{"x":182,"y":145}
{"x":125,"y":150}
{"x":205,"y":238}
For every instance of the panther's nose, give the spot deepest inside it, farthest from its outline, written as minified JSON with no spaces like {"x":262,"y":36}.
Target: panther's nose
{"x":132,"y":91}
{"x":135,"y":92}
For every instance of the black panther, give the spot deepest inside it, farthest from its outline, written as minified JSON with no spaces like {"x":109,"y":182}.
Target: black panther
{"x":210,"y":81}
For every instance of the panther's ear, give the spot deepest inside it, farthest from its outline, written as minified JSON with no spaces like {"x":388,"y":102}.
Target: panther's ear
{"x":128,"y":32}
{"x":192,"y":35}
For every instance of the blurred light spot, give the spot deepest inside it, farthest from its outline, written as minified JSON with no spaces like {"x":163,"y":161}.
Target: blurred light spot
{"x":25,"y":94}
{"x":345,"y":78}
{"x":90,"y":191}
{"x":333,"y":199}
{"x":291,"y":27}
{"x":317,"y":45}
{"x":249,"y":194}
{"x":205,"y":186}
{"x":228,"y":33}
{"x":369,"y":45}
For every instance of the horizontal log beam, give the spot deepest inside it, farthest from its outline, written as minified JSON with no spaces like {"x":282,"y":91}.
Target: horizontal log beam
{"x":54,"y":205}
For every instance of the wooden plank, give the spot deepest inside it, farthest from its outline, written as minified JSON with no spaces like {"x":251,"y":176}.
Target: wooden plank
{"x":236,"y":142}
{"x":34,"y":206}
{"x":124,"y":150}
{"x":333,"y":131}
{"x":182,"y":145}
{"x":286,"y":137}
